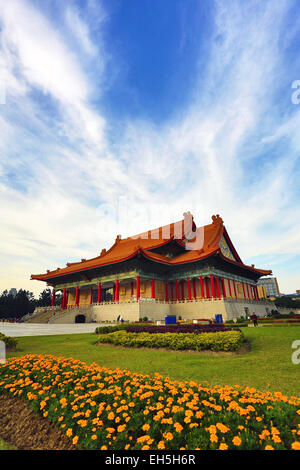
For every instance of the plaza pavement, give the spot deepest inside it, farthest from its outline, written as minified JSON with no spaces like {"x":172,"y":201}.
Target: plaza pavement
{"x":40,"y":329}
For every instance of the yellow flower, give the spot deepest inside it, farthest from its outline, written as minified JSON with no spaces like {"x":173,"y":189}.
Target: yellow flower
{"x":236,"y":441}
{"x":146,"y":427}
{"x":296,"y":445}
{"x":75,"y":440}
{"x":178,"y":427}
{"x":69,"y":432}
{"x":94,"y":437}
{"x":143,"y":438}
{"x":269,"y":447}
{"x":161,"y":445}
{"x":223,"y":446}
{"x":168,"y":436}
{"x":222,"y":427}
{"x":103,"y":448}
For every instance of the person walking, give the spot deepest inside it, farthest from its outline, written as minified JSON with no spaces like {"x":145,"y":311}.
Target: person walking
{"x":254,"y":319}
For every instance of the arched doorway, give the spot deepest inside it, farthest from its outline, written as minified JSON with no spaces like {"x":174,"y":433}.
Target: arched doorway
{"x":80,"y":319}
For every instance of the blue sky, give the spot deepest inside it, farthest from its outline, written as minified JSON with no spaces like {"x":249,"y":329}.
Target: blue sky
{"x":119,"y":115}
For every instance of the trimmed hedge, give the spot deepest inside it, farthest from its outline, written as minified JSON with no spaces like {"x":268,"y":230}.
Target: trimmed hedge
{"x":220,"y":341}
{"x":118,"y":327}
{"x":10,"y":343}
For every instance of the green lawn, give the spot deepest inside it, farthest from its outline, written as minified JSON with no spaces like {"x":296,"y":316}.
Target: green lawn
{"x":267,"y":366}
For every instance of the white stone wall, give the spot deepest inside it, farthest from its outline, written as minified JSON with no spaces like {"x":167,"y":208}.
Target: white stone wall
{"x":129,"y":311}
{"x":153,"y":310}
{"x":201,"y":309}
{"x":134,"y":311}
{"x":236,"y":308}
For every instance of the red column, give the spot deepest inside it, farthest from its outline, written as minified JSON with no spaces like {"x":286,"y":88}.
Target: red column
{"x":77,"y":294}
{"x":212,"y":286}
{"x":91,"y":296}
{"x":217,"y":287}
{"x":131,"y":291}
{"x":234,"y":287}
{"x":229,"y":285}
{"x":153,"y":288}
{"x":223,"y":287}
{"x":64,"y":300}
{"x":247,"y":285}
{"x":202,"y":287}
{"x":177,"y":290}
{"x":256,"y":293}
{"x":67,"y":298}
{"x":244,"y":292}
{"x":189,"y":288}
{"x":172,"y":291}
{"x":252,"y":292}
{"x":99,"y":292}
{"x":117,"y":291}
{"x":207,"y":288}
{"x":166,"y":292}
{"x":194,"y":288}
{"x":138,"y":288}
{"x":182,"y":289}
{"x":53,"y":298}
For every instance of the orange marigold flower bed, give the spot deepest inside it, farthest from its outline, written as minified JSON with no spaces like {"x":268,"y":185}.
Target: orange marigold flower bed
{"x":100,"y":408}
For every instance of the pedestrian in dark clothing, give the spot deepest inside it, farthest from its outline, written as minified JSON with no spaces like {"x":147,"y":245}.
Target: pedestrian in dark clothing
{"x":254,"y":319}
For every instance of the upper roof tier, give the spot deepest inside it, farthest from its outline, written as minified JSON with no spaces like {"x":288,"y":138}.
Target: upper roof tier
{"x":196,"y":244}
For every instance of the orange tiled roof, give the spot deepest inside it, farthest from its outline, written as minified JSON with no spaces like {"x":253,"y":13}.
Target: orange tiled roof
{"x":200,"y":242}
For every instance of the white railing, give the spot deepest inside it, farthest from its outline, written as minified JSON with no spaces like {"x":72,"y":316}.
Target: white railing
{"x":150,"y":300}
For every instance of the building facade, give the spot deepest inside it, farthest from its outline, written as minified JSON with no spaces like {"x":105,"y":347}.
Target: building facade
{"x":270,"y":285}
{"x":193,"y":272}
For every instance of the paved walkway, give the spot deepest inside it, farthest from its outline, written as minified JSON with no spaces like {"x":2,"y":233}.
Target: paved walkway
{"x":40,"y":329}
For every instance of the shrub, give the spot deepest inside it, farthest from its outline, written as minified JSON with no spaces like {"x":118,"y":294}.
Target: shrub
{"x":119,"y":327}
{"x":110,"y":328}
{"x":10,"y":343}
{"x":219,"y":341}
{"x":178,"y":328}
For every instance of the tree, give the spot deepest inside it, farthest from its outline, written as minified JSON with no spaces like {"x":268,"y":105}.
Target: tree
{"x":45,"y":298}
{"x":16,"y":306}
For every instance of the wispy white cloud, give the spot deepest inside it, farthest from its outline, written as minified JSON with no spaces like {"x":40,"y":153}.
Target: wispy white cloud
{"x":70,"y":181}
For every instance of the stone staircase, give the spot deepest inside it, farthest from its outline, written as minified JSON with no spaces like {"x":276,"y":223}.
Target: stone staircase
{"x":42,"y":316}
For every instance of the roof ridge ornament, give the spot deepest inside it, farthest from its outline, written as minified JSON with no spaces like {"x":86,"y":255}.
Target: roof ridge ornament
{"x":217,"y":219}
{"x":103,"y":252}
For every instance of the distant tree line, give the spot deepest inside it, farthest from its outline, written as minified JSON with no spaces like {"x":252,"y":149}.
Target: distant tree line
{"x":23,"y":302}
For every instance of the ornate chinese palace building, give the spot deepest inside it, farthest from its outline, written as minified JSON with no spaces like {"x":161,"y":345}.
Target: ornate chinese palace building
{"x":177,"y":269}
